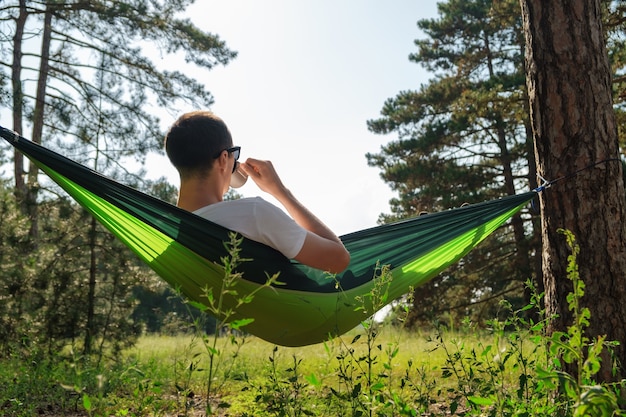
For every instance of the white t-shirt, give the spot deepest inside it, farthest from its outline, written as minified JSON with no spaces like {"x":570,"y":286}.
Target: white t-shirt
{"x":258,"y":220}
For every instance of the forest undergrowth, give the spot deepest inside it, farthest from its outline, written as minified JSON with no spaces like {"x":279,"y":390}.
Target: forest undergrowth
{"x":505,"y":367}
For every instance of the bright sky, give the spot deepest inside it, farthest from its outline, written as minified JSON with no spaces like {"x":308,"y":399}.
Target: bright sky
{"x":308,"y":76}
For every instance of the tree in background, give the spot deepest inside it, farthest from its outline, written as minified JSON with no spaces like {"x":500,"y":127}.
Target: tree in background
{"x":574,"y":127}
{"x":615,"y":28}
{"x":82,"y":77}
{"x":54,"y":51}
{"x":464,"y":138}
{"x":14,"y":314}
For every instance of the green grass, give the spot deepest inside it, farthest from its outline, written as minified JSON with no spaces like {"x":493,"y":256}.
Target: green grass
{"x":502,"y":368}
{"x":433,"y":373}
{"x":168,"y":375}
{"x":180,"y":363}
{"x":165,"y":352}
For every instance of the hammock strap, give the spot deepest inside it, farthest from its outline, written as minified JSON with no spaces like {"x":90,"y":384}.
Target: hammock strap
{"x":547,"y":184}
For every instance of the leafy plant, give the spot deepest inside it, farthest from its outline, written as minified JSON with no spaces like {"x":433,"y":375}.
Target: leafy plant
{"x":226,"y":322}
{"x":521,"y":372}
{"x":367,"y":381}
{"x":283,"y":393}
{"x":580,"y":391}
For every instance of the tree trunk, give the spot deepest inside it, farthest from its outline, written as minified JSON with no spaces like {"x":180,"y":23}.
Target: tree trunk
{"x":91,"y":294}
{"x":38,"y":122}
{"x":18,"y":104}
{"x":534,"y":242}
{"x":569,"y":86}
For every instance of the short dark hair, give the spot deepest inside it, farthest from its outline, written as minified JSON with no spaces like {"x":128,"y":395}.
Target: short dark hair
{"x":195,"y":140}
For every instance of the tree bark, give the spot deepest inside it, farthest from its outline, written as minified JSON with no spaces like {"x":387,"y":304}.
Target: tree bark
{"x":90,"y":330}
{"x":574,"y":128}
{"x":38,"y":123}
{"x":18,"y":104}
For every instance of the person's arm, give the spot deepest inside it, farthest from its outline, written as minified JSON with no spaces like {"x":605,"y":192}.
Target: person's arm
{"x":322,"y":249}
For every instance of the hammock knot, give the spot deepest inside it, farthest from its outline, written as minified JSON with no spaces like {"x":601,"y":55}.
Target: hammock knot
{"x":544,"y":184}
{"x":9,"y":135}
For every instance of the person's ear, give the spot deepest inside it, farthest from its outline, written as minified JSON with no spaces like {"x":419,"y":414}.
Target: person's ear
{"x":222,"y":160}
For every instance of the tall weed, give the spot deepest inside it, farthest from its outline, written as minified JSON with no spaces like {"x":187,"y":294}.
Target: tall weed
{"x":580,"y":392}
{"x":214,"y":345}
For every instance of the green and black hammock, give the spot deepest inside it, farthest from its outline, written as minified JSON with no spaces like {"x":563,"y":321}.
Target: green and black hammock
{"x":309,"y":306}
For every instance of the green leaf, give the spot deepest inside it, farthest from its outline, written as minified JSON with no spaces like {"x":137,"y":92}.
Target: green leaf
{"x":312,"y":379}
{"x":377,"y":386}
{"x":486,"y":350}
{"x":480,"y":400}
{"x":238,"y":324}
{"x":86,"y":402}
{"x":197,"y":305}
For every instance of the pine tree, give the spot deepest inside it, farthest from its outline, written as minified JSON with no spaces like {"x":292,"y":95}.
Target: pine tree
{"x":64,"y":44}
{"x":464,"y":138}
{"x":575,"y":131}
{"x":82,"y":77}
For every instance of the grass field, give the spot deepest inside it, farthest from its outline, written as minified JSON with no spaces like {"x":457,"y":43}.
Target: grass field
{"x":507,"y":367}
{"x":165,"y":375}
{"x":342,"y":375}
{"x":376,"y":370}
{"x":252,"y":371}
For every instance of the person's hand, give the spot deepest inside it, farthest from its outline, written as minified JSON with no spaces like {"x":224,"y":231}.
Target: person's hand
{"x":264,"y":175}
{"x":322,"y":249}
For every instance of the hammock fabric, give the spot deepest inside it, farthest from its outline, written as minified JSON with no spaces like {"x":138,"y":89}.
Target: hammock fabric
{"x":309,"y":306}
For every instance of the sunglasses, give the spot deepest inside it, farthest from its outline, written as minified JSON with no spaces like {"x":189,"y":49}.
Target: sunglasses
{"x":235,"y":150}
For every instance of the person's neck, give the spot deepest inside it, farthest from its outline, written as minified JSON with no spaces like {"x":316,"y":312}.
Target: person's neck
{"x":196,"y":193}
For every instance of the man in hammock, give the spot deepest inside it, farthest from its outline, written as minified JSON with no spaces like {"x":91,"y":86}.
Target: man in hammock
{"x":200,"y":147}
